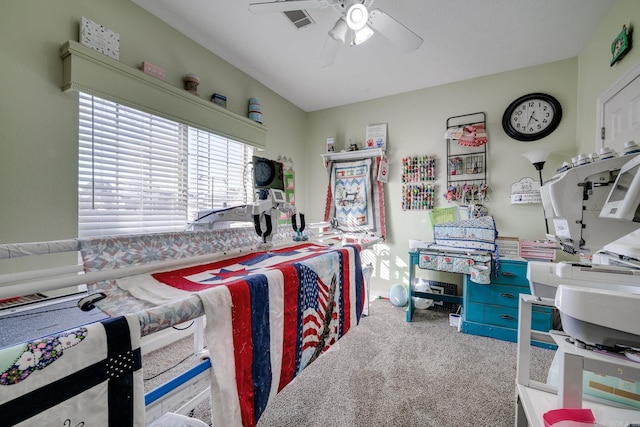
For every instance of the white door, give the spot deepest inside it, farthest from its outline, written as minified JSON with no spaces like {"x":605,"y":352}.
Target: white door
{"x":621,"y":112}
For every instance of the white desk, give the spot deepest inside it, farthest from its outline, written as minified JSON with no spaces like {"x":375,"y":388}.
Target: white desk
{"x":534,"y":398}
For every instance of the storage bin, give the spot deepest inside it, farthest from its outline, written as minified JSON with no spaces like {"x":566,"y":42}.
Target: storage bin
{"x":454,"y":320}
{"x":171,"y":419}
{"x":534,"y":249}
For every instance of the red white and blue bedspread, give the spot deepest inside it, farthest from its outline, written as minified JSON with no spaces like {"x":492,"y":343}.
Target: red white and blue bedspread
{"x":269,"y":315}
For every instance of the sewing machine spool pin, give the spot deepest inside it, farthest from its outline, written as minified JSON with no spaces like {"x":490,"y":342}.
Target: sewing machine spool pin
{"x":297,"y":229}
{"x":258,"y":226}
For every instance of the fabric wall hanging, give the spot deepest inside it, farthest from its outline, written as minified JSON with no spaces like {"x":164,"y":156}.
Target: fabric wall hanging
{"x":355,"y":197}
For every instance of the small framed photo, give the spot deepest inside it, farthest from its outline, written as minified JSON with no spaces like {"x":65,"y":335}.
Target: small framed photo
{"x":331,"y":145}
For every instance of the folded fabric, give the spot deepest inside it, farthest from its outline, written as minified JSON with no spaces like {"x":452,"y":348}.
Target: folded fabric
{"x":473,"y":135}
{"x":477,"y":233}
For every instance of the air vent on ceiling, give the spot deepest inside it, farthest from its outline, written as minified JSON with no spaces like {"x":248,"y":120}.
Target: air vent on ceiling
{"x":299,"y":18}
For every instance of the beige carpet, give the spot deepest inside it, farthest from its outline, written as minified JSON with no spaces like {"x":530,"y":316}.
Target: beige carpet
{"x":387,"y":372}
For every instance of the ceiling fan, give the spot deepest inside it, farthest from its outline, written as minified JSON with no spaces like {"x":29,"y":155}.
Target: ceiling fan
{"x":355,"y":26}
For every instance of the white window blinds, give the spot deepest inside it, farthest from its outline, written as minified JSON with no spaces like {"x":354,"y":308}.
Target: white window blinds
{"x":140,"y":173}
{"x":217,"y":172}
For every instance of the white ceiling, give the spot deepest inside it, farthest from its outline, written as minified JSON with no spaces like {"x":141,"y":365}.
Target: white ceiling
{"x":463,"y":39}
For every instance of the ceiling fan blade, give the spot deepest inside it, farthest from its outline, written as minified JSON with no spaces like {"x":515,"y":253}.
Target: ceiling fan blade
{"x":388,"y":27}
{"x":329,"y":52}
{"x":285,"y":6}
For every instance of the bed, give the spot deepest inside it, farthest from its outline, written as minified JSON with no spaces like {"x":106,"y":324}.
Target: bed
{"x":270,"y":312}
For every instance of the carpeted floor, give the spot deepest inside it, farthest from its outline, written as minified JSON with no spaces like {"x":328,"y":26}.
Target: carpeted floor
{"x":387,"y":372}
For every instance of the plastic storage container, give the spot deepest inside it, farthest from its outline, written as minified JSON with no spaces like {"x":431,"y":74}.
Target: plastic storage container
{"x":171,"y":419}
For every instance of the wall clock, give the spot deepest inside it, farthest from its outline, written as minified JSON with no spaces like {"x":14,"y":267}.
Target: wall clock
{"x":264,"y":172}
{"x":532,"y":117}
{"x":267,"y":174}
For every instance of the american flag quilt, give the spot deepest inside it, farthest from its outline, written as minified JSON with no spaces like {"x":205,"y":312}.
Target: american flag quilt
{"x":269,"y":315}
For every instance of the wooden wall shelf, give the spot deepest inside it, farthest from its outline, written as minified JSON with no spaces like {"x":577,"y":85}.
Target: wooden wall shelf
{"x":352,"y":155}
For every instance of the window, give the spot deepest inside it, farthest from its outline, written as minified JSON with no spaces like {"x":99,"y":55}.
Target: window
{"x":140,"y":173}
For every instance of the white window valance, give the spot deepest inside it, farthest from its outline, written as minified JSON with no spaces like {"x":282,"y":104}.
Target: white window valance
{"x":85,"y":70}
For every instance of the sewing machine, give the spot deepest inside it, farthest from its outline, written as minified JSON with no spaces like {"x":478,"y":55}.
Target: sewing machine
{"x":573,"y":200}
{"x":599,"y":302}
{"x":260,"y":213}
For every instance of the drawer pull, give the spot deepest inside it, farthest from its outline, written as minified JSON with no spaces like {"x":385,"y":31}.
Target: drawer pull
{"x":506,"y":317}
{"x":505,"y":295}
{"x":508,"y":274}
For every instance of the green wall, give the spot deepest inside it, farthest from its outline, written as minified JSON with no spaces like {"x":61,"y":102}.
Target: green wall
{"x":417,"y":121}
{"x":38,"y":123}
{"x":416,"y":126}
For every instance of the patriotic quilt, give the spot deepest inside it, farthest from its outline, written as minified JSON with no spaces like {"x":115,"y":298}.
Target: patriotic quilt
{"x":270,"y":315}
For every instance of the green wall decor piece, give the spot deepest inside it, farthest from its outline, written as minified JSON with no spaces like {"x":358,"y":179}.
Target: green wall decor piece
{"x":622,"y":44}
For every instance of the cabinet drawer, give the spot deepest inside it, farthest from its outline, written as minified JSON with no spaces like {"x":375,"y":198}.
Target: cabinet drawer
{"x":542,"y":319}
{"x":507,"y":317}
{"x":474,"y":312}
{"x":495,"y":294}
{"x":512,"y":273}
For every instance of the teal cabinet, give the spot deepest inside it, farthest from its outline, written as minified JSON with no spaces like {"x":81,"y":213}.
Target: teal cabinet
{"x":492,"y":310}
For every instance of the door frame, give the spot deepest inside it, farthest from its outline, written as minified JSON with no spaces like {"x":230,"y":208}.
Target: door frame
{"x":620,"y":84}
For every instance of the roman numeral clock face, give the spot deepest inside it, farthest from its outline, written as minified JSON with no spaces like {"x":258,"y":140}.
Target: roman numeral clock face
{"x":532,"y":117}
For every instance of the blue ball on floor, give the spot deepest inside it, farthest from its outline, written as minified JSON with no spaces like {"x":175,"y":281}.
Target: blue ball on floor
{"x":398,"y":295}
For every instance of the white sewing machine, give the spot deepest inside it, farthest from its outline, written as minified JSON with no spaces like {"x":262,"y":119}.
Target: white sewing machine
{"x":573,"y":200}
{"x":596,"y":209}
{"x":260,"y":213}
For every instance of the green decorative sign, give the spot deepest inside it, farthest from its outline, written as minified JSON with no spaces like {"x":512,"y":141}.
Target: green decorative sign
{"x":621,"y":45}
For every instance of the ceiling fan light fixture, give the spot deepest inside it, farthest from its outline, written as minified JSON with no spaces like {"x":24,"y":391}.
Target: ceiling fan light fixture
{"x":339,"y":31}
{"x":362,"y":35}
{"x":357,"y":16}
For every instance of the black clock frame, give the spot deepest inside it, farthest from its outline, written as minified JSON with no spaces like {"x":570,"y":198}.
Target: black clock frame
{"x":517,"y":135}
{"x":259,"y":163}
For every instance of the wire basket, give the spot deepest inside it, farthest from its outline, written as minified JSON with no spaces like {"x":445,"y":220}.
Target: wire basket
{"x":443,"y":215}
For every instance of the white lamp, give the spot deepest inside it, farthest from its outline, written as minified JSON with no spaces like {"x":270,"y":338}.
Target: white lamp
{"x":362,"y":35}
{"x":537,"y":159}
{"x":339,"y":31}
{"x":353,"y":26}
{"x":357,"y":16}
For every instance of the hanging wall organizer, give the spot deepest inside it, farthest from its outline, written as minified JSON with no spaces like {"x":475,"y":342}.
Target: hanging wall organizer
{"x":418,"y":192}
{"x":466,"y":137}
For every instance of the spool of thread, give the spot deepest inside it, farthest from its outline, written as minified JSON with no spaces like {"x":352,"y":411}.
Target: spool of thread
{"x":255,"y":111}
